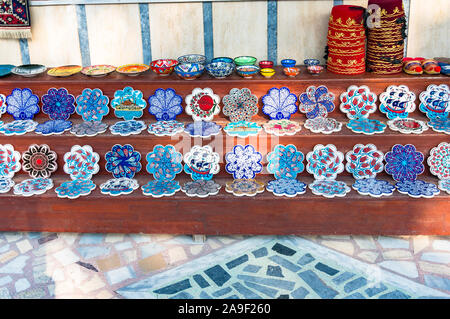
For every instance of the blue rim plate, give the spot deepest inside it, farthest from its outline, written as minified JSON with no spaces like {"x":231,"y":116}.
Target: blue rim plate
{"x":5,"y":69}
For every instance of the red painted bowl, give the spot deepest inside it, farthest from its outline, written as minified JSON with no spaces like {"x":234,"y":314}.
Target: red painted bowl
{"x":265,"y":64}
{"x":163,"y":66}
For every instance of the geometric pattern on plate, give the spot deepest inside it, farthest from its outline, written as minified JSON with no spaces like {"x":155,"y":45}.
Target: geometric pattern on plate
{"x":201,"y":162}
{"x":165,"y":128}
{"x":53,"y":127}
{"x":444,"y":184}
{"x":2,"y":104}
{"x":325,"y":162}
{"x":286,"y":187}
{"x":441,"y":125}
{"x":358,"y":102}
{"x":202,"y":104}
{"x":404,"y":163}
{"x":34,"y":186}
{"x":58,"y":104}
{"x":364,"y":161}
{"x":9,"y":161}
{"x":435,"y":101}
{"x":81,"y":162}
{"x":279,"y":103}
{"x":18,"y":127}
{"x":373,"y":187}
{"x":119,"y":186}
{"x":323,"y":125}
{"x":202,"y":129}
{"x":439,"y":161}
{"x":91,"y":128}
{"x":129,"y":127}
{"x":244,"y":187}
{"x":160,"y":188}
{"x":123,"y":161}
{"x":285,"y":162}
{"x":407,"y":125}
{"x":329,"y":188}
{"x":243,"y":162}
{"x":22,"y":104}
{"x":128,"y":103}
{"x":92,"y":105}
{"x":366,"y":126}
{"x":164,"y":162}
{"x":282,"y":127}
{"x":165,"y":105}
{"x":201,"y":188}
{"x":397,"y":102}
{"x":240,"y":105}
{"x":417,"y":188}
{"x":75,"y":188}
{"x":39,"y":161}
{"x":316,"y":102}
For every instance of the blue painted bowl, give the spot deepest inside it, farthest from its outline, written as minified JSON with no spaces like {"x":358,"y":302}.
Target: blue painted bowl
{"x":445,"y":69}
{"x":220,"y":70}
{"x":5,"y":69}
{"x":247,"y":71}
{"x":223,"y":59}
{"x":189,"y":71}
{"x":288,"y":63}
{"x":192,"y":58}
{"x":311,"y":62}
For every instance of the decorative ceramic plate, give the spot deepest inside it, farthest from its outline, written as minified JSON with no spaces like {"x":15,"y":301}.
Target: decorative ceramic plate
{"x":435,"y":101}
{"x":202,"y":104}
{"x":165,"y":105}
{"x":286,"y":187}
{"x":29,"y":70}
{"x":123,"y":161}
{"x":244,"y":187}
{"x":119,"y":186}
{"x":444,"y":184}
{"x":324,"y":125}
{"x":53,"y":127}
{"x":5,"y":69}
{"x":132,"y":69}
{"x":439,"y":161}
{"x":125,"y":128}
{"x":160,"y":188}
{"x":74,"y":189}
{"x":373,"y":187}
{"x":166,"y":128}
{"x":6,"y":184}
{"x":2,"y":104}
{"x":243,"y":162}
{"x":364,"y":161}
{"x":325,"y":162}
{"x":9,"y":161}
{"x":407,"y":125}
{"x":417,"y":188}
{"x":34,"y":186}
{"x":366,"y":126}
{"x":404,"y":163}
{"x":128,"y":104}
{"x":66,"y":70}
{"x":58,"y":104}
{"x":201,"y":188}
{"x":329,"y":188}
{"x":201,"y":162}
{"x":81,"y":162}
{"x":240,"y":105}
{"x":22,"y":104}
{"x":279,"y":103}
{"x":282,"y":127}
{"x":397,"y":102}
{"x":39,"y":161}
{"x":316,"y":102}
{"x":202,"y":129}
{"x":92,"y":105}
{"x":441,"y":125}
{"x":242,"y":129}
{"x":18,"y":127}
{"x":358,"y":102}
{"x":285,"y":162}
{"x":98,"y":70}
{"x":91,"y":128}
{"x":164,"y":162}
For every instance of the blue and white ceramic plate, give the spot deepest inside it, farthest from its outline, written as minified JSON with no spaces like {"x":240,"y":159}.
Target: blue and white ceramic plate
{"x":243,"y":162}
{"x":444,"y":184}
{"x":441,"y":125}
{"x":165,"y":128}
{"x":286,"y":187}
{"x":75,"y":188}
{"x":91,"y":128}
{"x":364,"y":161}
{"x":329,"y":188}
{"x":316,"y":102}
{"x":201,"y":188}
{"x":366,"y":126}
{"x":119,"y":186}
{"x":58,"y":104}
{"x":92,"y":105}
{"x":126,"y":128}
{"x":165,"y":105}
{"x":201,"y":162}
{"x":123,"y":161}
{"x":242,"y":129}
{"x":22,"y":104}
{"x":324,"y":125}
{"x":2,"y":104}
{"x":160,"y":188}
{"x":244,"y":187}
{"x":18,"y":127}
{"x":53,"y":127}
{"x":407,"y":126}
{"x":128,"y":104}
{"x":397,"y":102}
{"x":81,"y":162}
{"x":164,"y":162}
{"x":34,"y":186}
{"x":325,"y":162}
{"x":373,"y":187}
{"x":417,"y":188}
{"x":435,"y":101}
{"x":285,"y":162}
{"x":404,"y":163}
{"x":202,"y":129}
{"x":279,"y":103}
{"x":5,"y":184}
{"x":9,"y":161}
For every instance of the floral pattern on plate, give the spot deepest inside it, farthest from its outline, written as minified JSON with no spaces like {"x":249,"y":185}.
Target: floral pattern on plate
{"x":364,"y":161}
{"x":325,"y":162}
{"x":165,"y":105}
{"x":404,"y":163}
{"x":5,"y":184}
{"x":160,"y":188}
{"x":34,"y":186}
{"x":165,"y":128}
{"x":244,"y":187}
{"x":9,"y":161}
{"x":119,"y":186}
{"x":123,"y":161}
{"x":242,"y":129}
{"x":81,"y":162}
{"x":397,"y":102}
{"x":285,"y":162}
{"x":92,"y":105}
{"x":75,"y":188}
{"x":435,"y":101}
{"x":243,"y":162}
{"x":240,"y":105}
{"x":201,"y":188}
{"x":444,"y":184}
{"x":441,"y":125}
{"x":373,"y":187}
{"x":202,"y":129}
{"x":128,"y":104}
{"x":279,"y":103}
{"x":125,"y":128}
{"x":323,"y":125}
{"x":201,"y":162}
{"x":316,"y":102}
{"x":22,"y":104}
{"x":53,"y":127}
{"x":286,"y":187}
{"x":164,"y":162}
{"x":439,"y":161}
{"x":91,"y":128}
{"x":417,"y":188}
{"x":202,"y":104}
{"x":58,"y":104}
{"x":329,"y":188}
{"x":282,"y":127}
{"x":358,"y":102}
{"x":39,"y":161}
{"x":2,"y":104}
{"x":407,"y":126}
{"x":18,"y":127}
{"x":366,"y":126}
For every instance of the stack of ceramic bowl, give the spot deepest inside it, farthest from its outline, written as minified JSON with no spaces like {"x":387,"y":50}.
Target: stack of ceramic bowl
{"x":190,"y":66}
{"x":245,"y":66}
{"x":313,"y":67}
{"x":220,"y":67}
{"x":385,"y":36}
{"x":346,"y":40}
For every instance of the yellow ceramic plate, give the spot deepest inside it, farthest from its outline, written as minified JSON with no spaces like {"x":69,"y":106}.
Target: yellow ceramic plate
{"x":98,"y":70}
{"x":65,"y":70}
{"x":132,"y":69}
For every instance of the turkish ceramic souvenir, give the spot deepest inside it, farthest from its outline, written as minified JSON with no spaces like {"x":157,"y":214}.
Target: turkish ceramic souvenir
{"x":53,"y":127}
{"x":119,"y":186}
{"x":243,"y":162}
{"x":33,"y":186}
{"x":98,"y":70}
{"x":39,"y":161}
{"x":323,"y":125}
{"x":220,"y":70}
{"x":132,"y":69}
{"x":325,"y":162}
{"x":407,"y":125}
{"x":5,"y":69}
{"x":417,"y":188}
{"x":6,"y":184}
{"x":439,"y":161}
{"x":165,"y":105}
{"x":244,"y":60}
{"x":128,"y":103}
{"x":441,"y":125}
{"x":91,"y":128}
{"x":9,"y":165}
{"x":22,"y":104}
{"x":373,"y":187}
{"x":404,"y":163}
{"x":201,"y":188}
{"x":18,"y":127}
{"x":444,"y":184}
{"x":75,"y":188}
{"x":329,"y":188}
{"x":202,"y":129}
{"x":435,"y":101}
{"x":247,"y":71}
{"x":397,"y":102}
{"x":244,"y":187}
{"x":242,"y":129}
{"x":189,"y":71}
{"x":202,"y":104}
{"x":123,"y":161}
{"x":92,"y":105}
{"x":201,"y":162}
{"x":81,"y":162}
{"x":166,"y":128}
{"x":29,"y":70}
{"x":279,"y":103}
{"x":63,"y":71}
{"x":192,"y":58}
{"x":163,"y":67}
{"x":366,"y":126}
{"x":2,"y":106}
{"x":358,"y":102}
{"x":282,"y":127}
{"x":286,"y":187}
{"x":125,"y":128}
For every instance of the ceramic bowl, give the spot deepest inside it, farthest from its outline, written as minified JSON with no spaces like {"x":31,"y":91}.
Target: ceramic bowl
{"x":310,"y":62}
{"x":445,"y":69}
{"x":288,"y":63}
{"x":163,"y":67}
{"x":245,"y":60}
{"x":267,"y":72}
{"x":247,"y":71}
{"x":189,"y":71}
{"x":223,"y":59}
{"x":265,"y":64}
{"x":29,"y":70}
{"x":5,"y":69}
{"x":291,"y":72}
{"x":192,"y":58}
{"x":315,"y":69}
{"x":220,"y":70}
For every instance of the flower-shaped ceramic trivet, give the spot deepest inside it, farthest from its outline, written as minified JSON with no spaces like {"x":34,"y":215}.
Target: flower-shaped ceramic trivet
{"x":373,"y":187}
{"x":279,"y":103}
{"x":282,"y":127}
{"x":166,"y":128}
{"x":316,"y":102}
{"x":74,"y":189}
{"x":324,"y":125}
{"x":2,"y":106}
{"x":39,"y":161}
{"x":22,"y":104}
{"x":404,"y":163}
{"x":325,"y":162}
{"x":81,"y":162}
{"x":201,"y":162}
{"x":329,"y":188}
{"x":202,"y":129}
{"x":18,"y":127}
{"x":165,"y":105}
{"x":364,"y":161}
{"x":417,"y":188}
{"x":53,"y":127}
{"x":92,"y":105}
{"x":242,"y":129}
{"x":397,"y":102}
{"x":9,"y":165}
{"x":34,"y":186}
{"x":444,"y":184}
{"x":119,"y":186}
{"x":244,"y":187}
{"x":128,"y":103}
{"x":439,"y":161}
{"x":366,"y":126}
{"x":435,"y":101}
{"x":243,"y":162}
{"x":58,"y":104}
{"x":202,"y":104}
{"x":441,"y":125}
{"x":159,"y":188}
{"x":358,"y":102}
{"x":201,"y":188}
{"x":123,"y":161}
{"x":126,"y":128}
{"x":286,"y":187}
{"x":407,"y":125}
{"x":5,"y":184}
{"x":91,"y":128}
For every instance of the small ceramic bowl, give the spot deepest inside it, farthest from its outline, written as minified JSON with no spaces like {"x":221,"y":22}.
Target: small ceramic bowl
{"x":244,"y":60}
{"x":220,"y":70}
{"x":288,"y":63}
{"x":5,"y":69}
{"x":192,"y":58}
{"x":163,"y":67}
{"x":265,"y":64}
{"x":247,"y":71}
{"x":267,"y":72}
{"x":291,"y":72}
{"x":189,"y":71}
{"x":310,"y":62}
{"x":223,"y":59}
{"x":445,"y":69}
{"x":315,"y":69}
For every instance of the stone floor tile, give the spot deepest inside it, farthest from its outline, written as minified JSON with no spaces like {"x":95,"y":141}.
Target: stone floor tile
{"x":152,"y":263}
{"x":212,"y":243}
{"x":118,"y":275}
{"x":109,"y":263}
{"x":162,"y":237}
{"x":420,"y":243}
{"x":32,"y":293}
{"x":441,"y":244}
{"x":397,"y":254}
{"x":58,"y":274}
{"x":21,"y":285}
{"x":365,"y":242}
{"x":12,"y":237}
{"x":4,"y":248}
{"x":104,"y":294}
{"x":4,"y":293}
{"x":14,"y":266}
{"x":150,"y":249}
{"x":369,"y":256}
{"x":129,"y":256}
{"x":435,"y":268}
{"x":123,"y":246}
{"x":77,"y":273}
{"x":195,"y":250}
{"x":92,"y":284}
{"x":114,"y":238}
{"x":69,"y":238}
{"x":89,"y":252}
{"x":437,"y":282}
{"x":4,"y":258}
{"x":405,"y":268}
{"x":5,"y":280}
{"x":24,"y":246}
{"x":91,"y":239}
{"x":66,"y":257}
{"x":437,"y":257}
{"x":344,"y":247}
{"x":225,"y":239}
{"x":176,"y":254}
{"x":337,"y":237}
{"x":392,"y":242}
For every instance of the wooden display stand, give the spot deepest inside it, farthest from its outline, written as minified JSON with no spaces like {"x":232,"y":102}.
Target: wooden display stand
{"x":224,"y":213}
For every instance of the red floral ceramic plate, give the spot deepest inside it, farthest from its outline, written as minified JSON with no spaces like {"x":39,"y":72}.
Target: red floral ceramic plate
{"x":98,"y":70}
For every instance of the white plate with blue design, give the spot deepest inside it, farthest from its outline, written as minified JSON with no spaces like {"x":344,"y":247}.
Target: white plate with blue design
{"x":126,"y":128}
{"x":33,"y":186}
{"x":119,"y":186}
{"x":329,"y":188}
{"x":417,"y":188}
{"x":75,"y":188}
{"x":160,"y":188}
{"x":373,"y":187}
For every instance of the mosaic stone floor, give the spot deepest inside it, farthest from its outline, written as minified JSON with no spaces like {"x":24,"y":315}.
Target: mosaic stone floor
{"x":104,"y":266}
